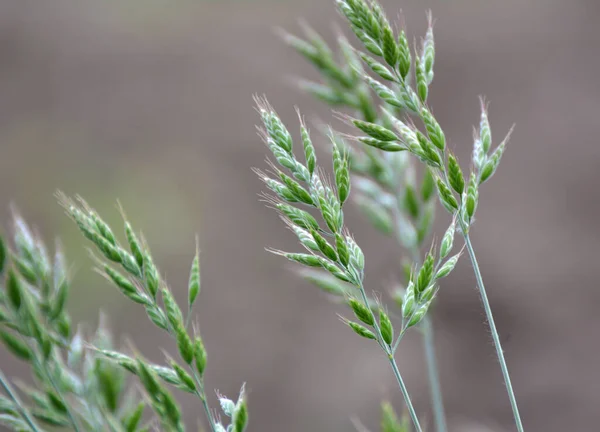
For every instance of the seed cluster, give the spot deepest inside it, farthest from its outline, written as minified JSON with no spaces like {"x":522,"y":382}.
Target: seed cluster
{"x":383,"y":171}
{"x":86,"y":389}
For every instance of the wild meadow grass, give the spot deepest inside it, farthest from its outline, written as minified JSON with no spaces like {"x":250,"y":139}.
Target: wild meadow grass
{"x":394,"y":166}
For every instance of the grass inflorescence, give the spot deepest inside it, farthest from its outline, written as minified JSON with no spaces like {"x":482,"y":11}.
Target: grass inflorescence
{"x":81,"y":382}
{"x":388,"y":143}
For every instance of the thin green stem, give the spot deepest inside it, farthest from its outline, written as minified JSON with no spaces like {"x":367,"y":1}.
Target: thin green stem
{"x":434,"y":377}
{"x":404,"y":390}
{"x":402,"y":333}
{"x":429,"y":348}
{"x":390,"y":354}
{"x":492,"y":324}
{"x":59,"y":393}
{"x":398,"y":339}
{"x":213,"y":427}
{"x":22,"y":410}
{"x":202,"y":396}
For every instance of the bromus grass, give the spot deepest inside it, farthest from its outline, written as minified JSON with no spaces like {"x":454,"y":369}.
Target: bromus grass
{"x":388,"y":190}
{"x":392,"y":166}
{"x":384,"y":177}
{"x":80,"y":382}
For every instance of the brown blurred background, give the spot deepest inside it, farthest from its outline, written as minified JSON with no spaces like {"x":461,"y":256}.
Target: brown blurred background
{"x":150,"y":102}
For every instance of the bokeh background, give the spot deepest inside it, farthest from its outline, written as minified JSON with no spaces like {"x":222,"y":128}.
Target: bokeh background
{"x":150,"y":102}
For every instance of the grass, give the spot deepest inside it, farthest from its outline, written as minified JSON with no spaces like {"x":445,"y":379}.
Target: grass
{"x":401,"y":80}
{"x":394,"y":166}
{"x":390,"y":194}
{"x":80,"y":384}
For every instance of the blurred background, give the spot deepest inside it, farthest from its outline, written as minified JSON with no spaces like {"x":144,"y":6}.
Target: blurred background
{"x":150,"y":102}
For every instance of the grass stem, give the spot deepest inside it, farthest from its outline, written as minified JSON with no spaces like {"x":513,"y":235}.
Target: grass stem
{"x":72,"y":419}
{"x":390,"y":354}
{"x":433,"y":375}
{"x":492,"y":324}
{"x":202,"y":396}
{"x":22,"y":410}
{"x":404,"y":390}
